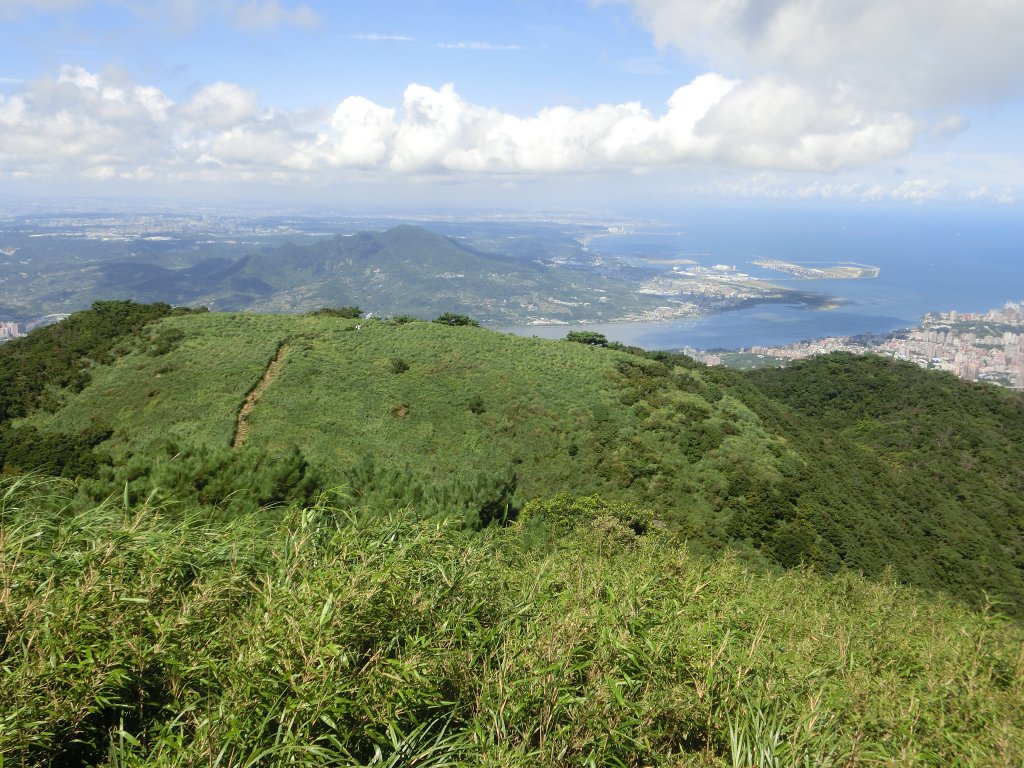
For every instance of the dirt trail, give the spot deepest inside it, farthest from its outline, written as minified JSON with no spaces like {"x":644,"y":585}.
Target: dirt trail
{"x":242,"y":420}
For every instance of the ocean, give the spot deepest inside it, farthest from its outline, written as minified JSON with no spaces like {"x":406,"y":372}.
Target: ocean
{"x":930,"y":259}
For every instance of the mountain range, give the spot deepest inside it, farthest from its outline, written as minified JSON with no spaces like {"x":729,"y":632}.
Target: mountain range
{"x":406,"y":269}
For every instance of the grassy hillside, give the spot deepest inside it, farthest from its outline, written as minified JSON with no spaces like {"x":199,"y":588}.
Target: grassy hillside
{"x":467,"y":422}
{"x":578,"y":636}
{"x":445,"y":406}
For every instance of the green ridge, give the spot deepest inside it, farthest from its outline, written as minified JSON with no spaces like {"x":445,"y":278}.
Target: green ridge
{"x":444,"y":546}
{"x":461,"y":421}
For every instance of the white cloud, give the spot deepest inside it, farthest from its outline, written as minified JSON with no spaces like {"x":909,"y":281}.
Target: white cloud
{"x":925,"y":179}
{"x":1003,"y":195}
{"x":12,"y":110}
{"x":82,"y":124}
{"x":477,"y":46}
{"x":361,"y":133}
{"x":896,"y":54}
{"x":220,"y":106}
{"x":79,"y":124}
{"x":915,"y":190}
{"x":949,"y":125}
{"x":435,"y":124}
{"x":154,"y":100}
{"x":768,"y":123}
{"x":79,"y":77}
{"x":378,"y":37}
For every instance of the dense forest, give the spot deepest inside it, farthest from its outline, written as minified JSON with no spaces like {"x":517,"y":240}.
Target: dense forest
{"x":254,"y":539}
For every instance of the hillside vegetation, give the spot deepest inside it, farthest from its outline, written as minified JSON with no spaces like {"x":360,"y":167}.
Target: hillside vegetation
{"x":841,"y":463}
{"x":255,"y":540}
{"x":578,"y":636}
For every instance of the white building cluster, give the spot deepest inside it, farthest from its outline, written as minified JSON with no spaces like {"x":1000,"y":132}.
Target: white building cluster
{"x":986,"y":346}
{"x":9,"y":330}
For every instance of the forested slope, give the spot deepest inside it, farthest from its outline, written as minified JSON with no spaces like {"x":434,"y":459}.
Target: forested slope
{"x":946,"y":457}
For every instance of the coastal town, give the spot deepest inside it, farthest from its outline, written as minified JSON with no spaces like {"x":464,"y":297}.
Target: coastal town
{"x":979,"y":346}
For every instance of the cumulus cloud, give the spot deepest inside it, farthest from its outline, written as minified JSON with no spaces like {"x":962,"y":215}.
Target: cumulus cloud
{"x":896,"y":55}
{"x":82,"y":124}
{"x":769,"y":123}
{"x":361,"y":133}
{"x":220,"y":106}
{"x":91,"y":124}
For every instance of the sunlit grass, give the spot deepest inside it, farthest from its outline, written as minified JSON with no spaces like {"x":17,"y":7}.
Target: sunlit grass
{"x":133,"y":635}
{"x":464,"y":404}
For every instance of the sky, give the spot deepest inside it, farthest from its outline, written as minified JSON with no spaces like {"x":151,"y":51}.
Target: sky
{"x":515,"y":103}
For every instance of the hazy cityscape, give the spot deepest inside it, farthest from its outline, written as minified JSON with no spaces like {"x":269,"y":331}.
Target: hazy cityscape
{"x":976,"y":346}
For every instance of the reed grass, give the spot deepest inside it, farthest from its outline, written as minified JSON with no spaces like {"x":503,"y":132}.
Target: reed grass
{"x":132,"y":634}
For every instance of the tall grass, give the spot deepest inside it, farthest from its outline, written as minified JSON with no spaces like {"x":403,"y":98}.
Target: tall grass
{"x":336,"y":636}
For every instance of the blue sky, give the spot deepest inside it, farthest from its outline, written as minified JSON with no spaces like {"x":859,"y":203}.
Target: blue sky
{"x":523,"y":103}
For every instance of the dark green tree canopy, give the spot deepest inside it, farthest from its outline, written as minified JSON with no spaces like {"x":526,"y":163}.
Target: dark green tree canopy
{"x":591,"y":338}
{"x":450,"y":318}
{"x":350,"y":313}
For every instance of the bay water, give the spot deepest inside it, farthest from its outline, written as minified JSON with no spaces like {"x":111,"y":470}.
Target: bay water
{"x":930,"y":259}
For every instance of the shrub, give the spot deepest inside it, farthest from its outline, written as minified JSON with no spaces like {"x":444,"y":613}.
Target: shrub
{"x":590,"y":338}
{"x":450,"y":318}
{"x":327,"y":636}
{"x":349,"y":313}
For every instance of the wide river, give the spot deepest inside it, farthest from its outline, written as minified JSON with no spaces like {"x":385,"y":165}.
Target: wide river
{"x":931,"y":260}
